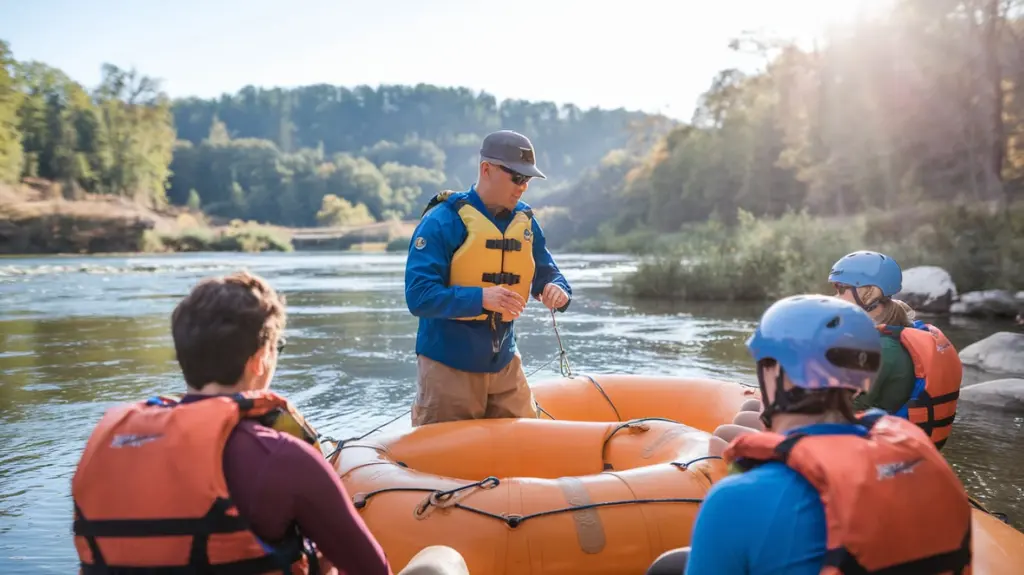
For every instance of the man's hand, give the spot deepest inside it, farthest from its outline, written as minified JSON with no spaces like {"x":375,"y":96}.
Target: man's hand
{"x":504,"y":301}
{"x":553,"y":296}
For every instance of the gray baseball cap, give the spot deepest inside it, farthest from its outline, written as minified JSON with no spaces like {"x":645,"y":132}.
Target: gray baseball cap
{"x":512,"y":150}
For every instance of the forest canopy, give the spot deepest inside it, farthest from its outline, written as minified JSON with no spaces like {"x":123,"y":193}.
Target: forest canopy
{"x":920,"y":106}
{"x":297,"y":157}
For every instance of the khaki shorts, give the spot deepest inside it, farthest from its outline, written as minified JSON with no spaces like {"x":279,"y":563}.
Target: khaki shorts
{"x":447,"y":394}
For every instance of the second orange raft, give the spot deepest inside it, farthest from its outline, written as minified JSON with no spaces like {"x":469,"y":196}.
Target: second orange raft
{"x":608,"y":479}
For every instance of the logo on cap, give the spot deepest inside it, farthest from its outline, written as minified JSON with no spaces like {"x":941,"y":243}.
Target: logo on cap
{"x":526,"y":155}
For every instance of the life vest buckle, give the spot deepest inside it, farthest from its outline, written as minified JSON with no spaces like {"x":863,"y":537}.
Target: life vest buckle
{"x":505,"y":244}
{"x":501,"y":278}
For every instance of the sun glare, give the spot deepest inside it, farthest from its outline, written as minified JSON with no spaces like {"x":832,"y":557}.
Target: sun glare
{"x":807,"y":19}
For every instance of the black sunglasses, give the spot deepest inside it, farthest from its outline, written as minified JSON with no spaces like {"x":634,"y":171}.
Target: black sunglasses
{"x":517,"y":178}
{"x":280,"y":345}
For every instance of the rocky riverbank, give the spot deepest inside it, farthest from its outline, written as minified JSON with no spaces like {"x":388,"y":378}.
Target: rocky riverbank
{"x":36,"y":218}
{"x":931,"y":290}
{"x":40,"y":217}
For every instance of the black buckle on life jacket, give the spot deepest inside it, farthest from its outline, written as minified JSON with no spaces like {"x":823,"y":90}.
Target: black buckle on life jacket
{"x":501,"y":278}
{"x":504,"y":244}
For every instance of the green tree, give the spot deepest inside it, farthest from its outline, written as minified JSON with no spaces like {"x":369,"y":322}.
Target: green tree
{"x":921,"y":105}
{"x":337,"y":211}
{"x":136,"y":118}
{"x":11,"y":155}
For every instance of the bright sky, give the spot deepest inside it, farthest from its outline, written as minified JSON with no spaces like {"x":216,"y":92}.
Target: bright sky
{"x":653,"y":55}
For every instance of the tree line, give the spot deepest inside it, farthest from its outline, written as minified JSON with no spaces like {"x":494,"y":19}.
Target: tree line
{"x":314,"y":155}
{"x":920,"y":106}
{"x":118,"y":139}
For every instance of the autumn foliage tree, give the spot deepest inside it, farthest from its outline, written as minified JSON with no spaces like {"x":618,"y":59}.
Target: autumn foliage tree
{"x":920,"y":106}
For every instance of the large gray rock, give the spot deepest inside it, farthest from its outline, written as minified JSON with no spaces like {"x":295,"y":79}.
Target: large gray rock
{"x":988,"y":303}
{"x":928,"y":289}
{"x":1001,"y":352}
{"x":1003,"y":394}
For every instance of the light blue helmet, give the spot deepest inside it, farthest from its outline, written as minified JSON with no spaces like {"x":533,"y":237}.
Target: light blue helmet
{"x":866,"y":268}
{"x":820,"y":342}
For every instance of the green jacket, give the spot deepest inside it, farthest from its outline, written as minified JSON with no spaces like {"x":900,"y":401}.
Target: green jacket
{"x":895,"y":381}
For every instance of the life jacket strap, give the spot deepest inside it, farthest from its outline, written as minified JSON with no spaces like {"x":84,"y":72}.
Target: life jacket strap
{"x":504,"y":244}
{"x":215,"y":521}
{"x":501,"y":278}
{"x":950,"y":562}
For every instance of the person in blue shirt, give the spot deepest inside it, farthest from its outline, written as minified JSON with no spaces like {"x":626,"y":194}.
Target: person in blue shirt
{"x":877,"y":478}
{"x":474,"y":260}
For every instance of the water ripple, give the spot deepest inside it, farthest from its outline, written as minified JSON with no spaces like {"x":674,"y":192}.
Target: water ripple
{"x":80,"y":334}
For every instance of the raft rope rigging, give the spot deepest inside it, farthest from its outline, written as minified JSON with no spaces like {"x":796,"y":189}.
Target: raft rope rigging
{"x":564,"y":367}
{"x":446,"y":498}
{"x":637,"y":424}
{"x":562,"y":357}
{"x":339,"y":443}
{"x":443,"y":499}
{"x":1000,"y":516}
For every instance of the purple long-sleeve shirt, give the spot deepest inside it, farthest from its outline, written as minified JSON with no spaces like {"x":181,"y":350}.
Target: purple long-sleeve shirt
{"x":277,"y":480}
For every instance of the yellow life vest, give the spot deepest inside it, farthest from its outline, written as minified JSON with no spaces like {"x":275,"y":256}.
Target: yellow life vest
{"x":487,"y":257}
{"x":288,"y":421}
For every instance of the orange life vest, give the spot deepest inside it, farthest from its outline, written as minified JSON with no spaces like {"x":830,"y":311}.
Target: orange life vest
{"x":149,"y":492}
{"x":938,"y":372}
{"x":892,"y":503}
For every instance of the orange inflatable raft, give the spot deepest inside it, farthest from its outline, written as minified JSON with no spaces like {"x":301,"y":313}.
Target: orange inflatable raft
{"x":609,"y":477}
{"x":572,"y":494}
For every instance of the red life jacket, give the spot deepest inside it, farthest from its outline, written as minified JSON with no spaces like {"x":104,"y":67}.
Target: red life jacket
{"x":892,"y":503}
{"x":149,"y":492}
{"x":938,"y":372}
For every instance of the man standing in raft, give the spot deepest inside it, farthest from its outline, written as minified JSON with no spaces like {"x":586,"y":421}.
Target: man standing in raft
{"x":474,"y":260}
{"x":822,"y":487}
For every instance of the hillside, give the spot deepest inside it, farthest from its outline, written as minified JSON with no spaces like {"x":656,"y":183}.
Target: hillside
{"x":274,"y":155}
{"x":924,"y":104}
{"x":303,"y":157}
{"x":903,"y":132}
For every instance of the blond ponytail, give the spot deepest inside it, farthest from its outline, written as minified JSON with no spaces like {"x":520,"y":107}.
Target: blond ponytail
{"x":889,"y":312}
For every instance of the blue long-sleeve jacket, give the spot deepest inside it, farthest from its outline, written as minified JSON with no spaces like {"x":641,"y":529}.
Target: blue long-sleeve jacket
{"x":767,"y":521}
{"x":463,"y":345}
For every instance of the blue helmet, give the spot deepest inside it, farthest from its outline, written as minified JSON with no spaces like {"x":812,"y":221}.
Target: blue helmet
{"x":868,"y":269}
{"x":820,"y":342}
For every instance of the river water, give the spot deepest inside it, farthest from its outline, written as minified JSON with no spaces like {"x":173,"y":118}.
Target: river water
{"x":78,"y":334}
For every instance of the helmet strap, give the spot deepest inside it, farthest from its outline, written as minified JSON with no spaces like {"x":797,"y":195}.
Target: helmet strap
{"x":785,"y":400}
{"x":860,"y":302}
{"x":778,"y":403}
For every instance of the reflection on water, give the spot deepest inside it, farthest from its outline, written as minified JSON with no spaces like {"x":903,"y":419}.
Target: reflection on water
{"x":78,"y":334}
